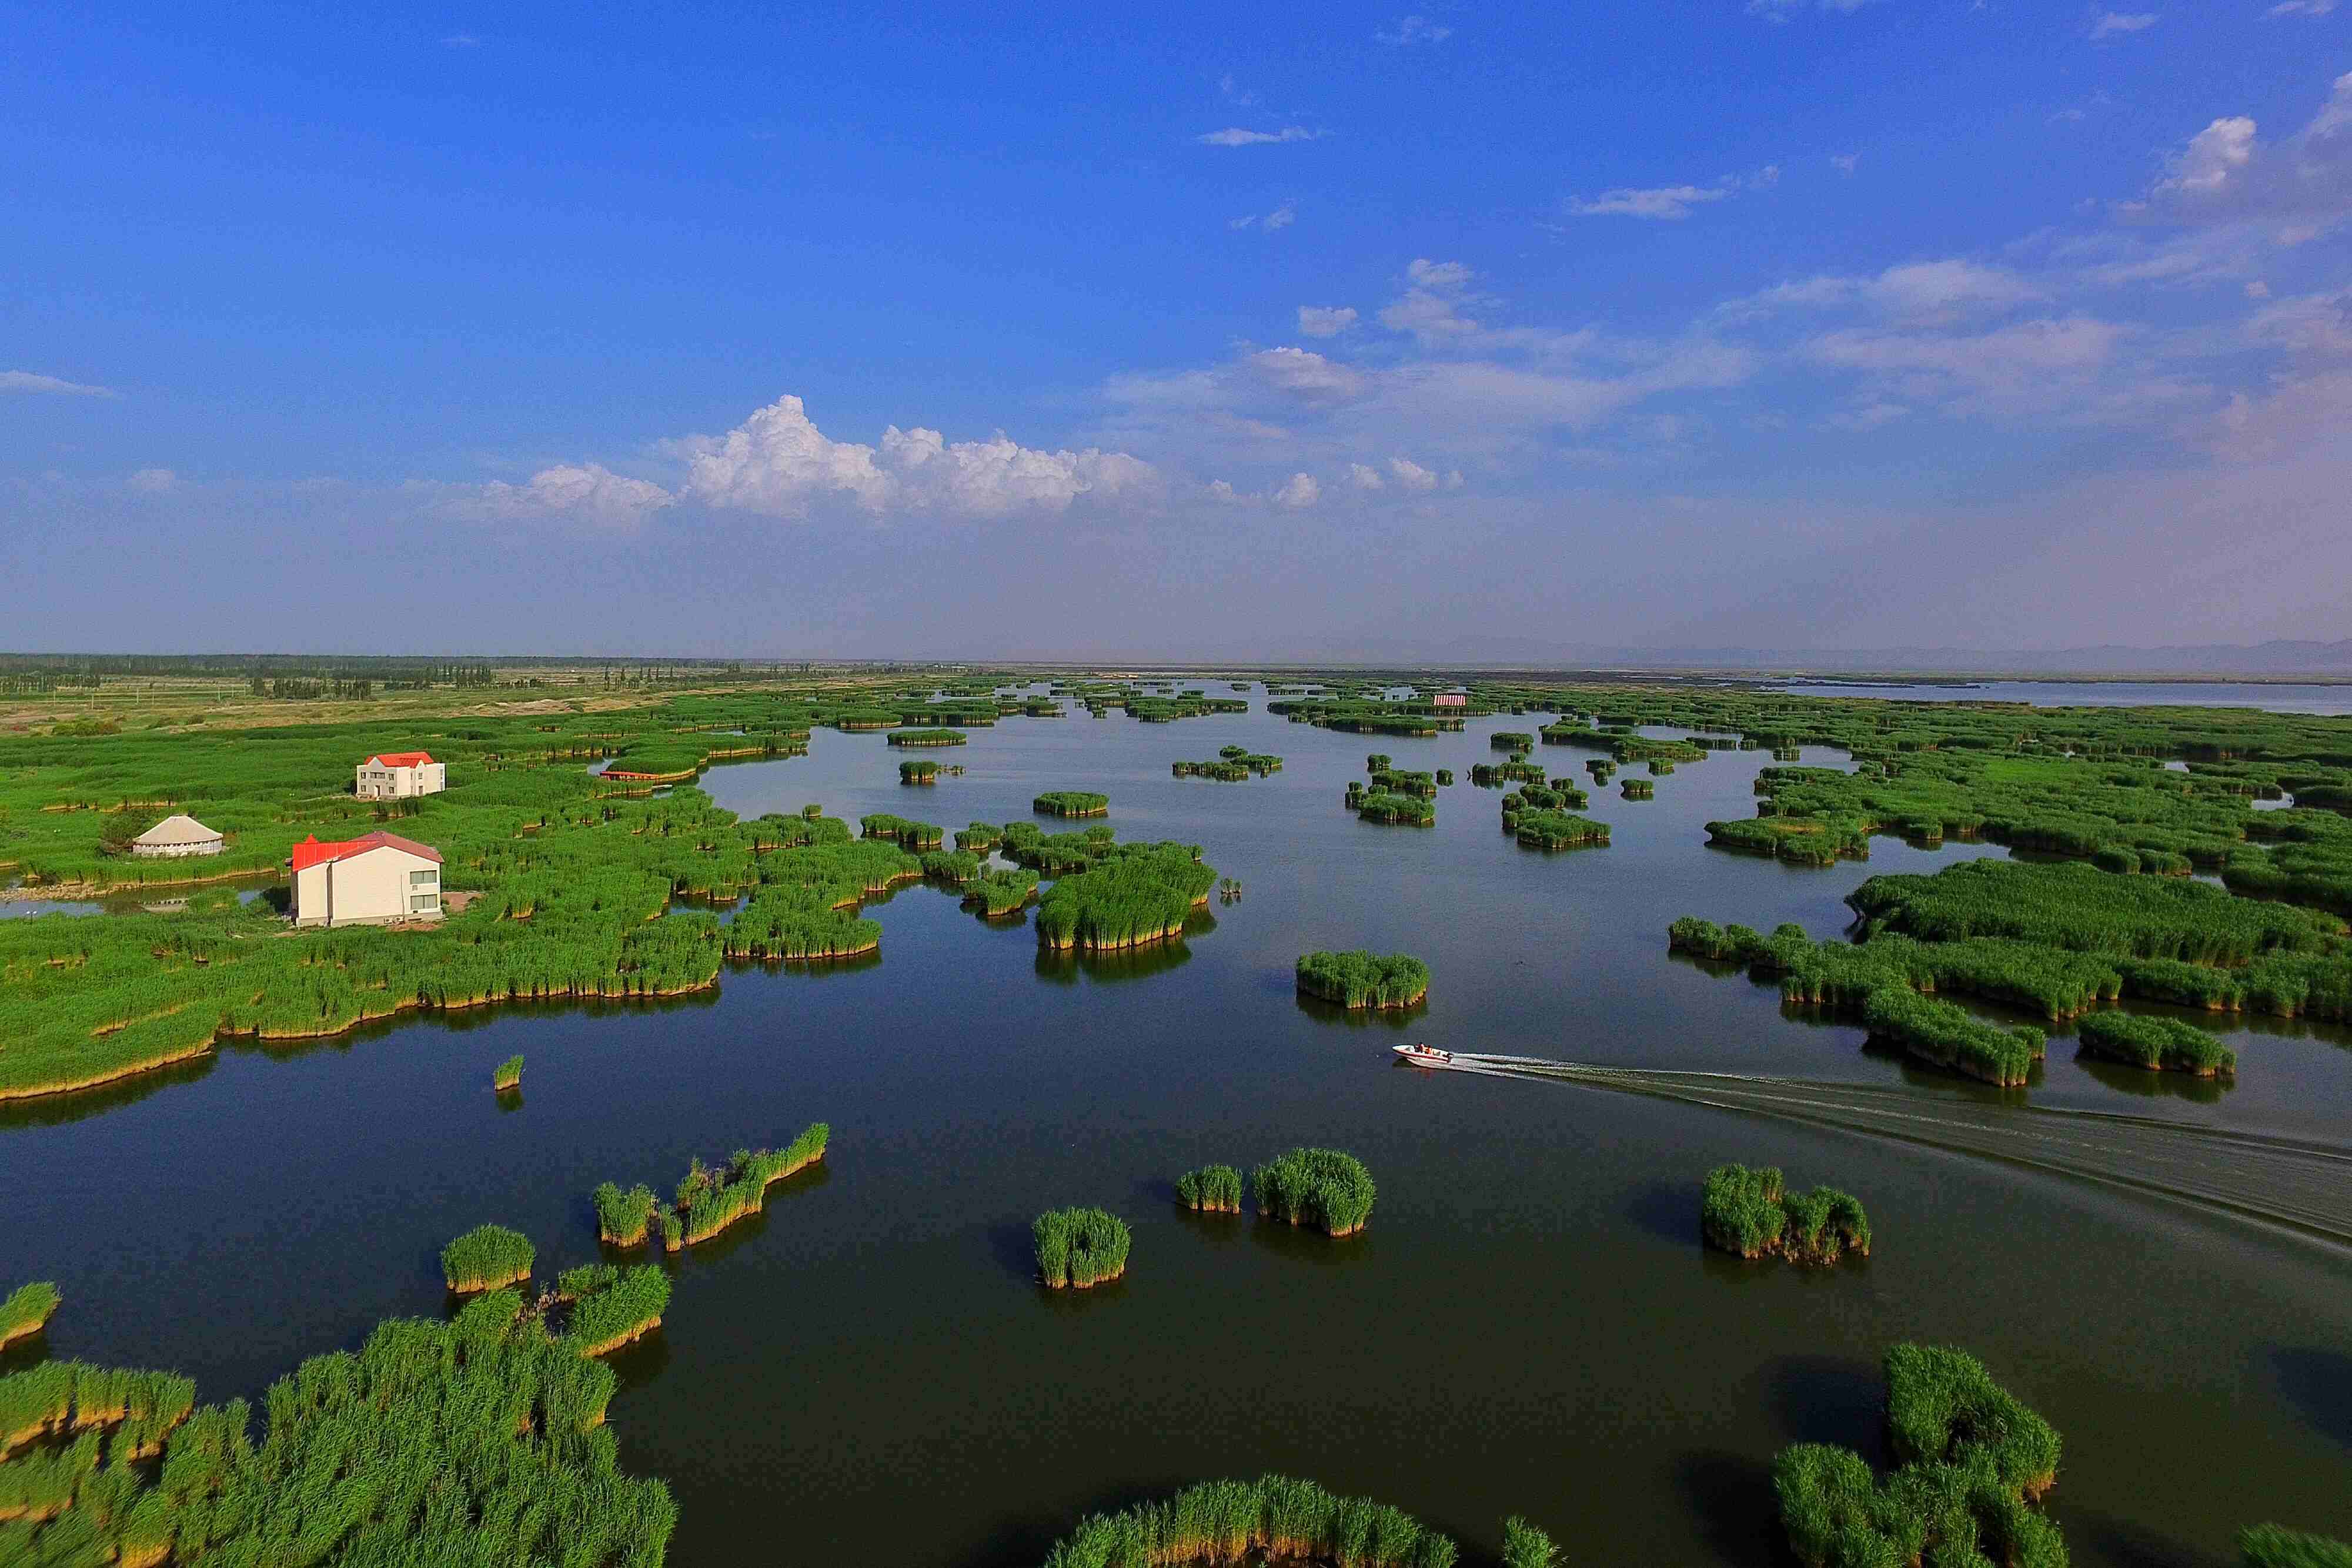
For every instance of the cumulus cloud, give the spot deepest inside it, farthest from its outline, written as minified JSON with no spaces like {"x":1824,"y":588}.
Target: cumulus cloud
{"x":588,"y":492}
{"x":1917,"y":292}
{"x":2228,"y":174}
{"x":779,"y":464}
{"x":153,"y":481}
{"x":1411,"y":30}
{"x":1297,"y":491}
{"x":1413,"y":475}
{"x":1431,"y":307}
{"x":1427,"y":274}
{"x":2121,"y":24}
{"x":1325,"y":321}
{"x":1364,"y":477}
{"x":1236,"y":136}
{"x":2302,"y":8}
{"x":56,"y":386}
{"x":1304,"y":374}
{"x":1669,"y":203}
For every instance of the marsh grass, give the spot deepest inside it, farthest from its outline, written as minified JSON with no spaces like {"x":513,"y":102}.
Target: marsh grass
{"x":508,"y":1074}
{"x":1749,"y":1213}
{"x":486,"y":1258}
{"x":1078,"y":1249}
{"x":1324,"y":1189}
{"x":1358,"y":978}
{"x":27,"y":1311}
{"x":1211,"y":1189}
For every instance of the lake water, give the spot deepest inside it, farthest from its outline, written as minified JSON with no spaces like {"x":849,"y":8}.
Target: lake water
{"x":2330,"y":700}
{"x":869,"y":1374}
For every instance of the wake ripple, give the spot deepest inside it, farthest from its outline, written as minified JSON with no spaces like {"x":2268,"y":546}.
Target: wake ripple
{"x":2296,"y":1185}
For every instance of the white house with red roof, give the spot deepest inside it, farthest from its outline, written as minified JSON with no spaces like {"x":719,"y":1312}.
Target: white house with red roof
{"x":367,"y":881}
{"x":397,"y":775}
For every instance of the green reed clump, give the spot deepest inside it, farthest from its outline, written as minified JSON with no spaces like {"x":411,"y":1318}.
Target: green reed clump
{"x":926,"y":772}
{"x":1272,"y":1518}
{"x":1079,"y":1248}
{"x":907,"y":834}
{"x":2160,"y":1044}
{"x":486,"y":1256}
{"x":1511,"y":741}
{"x":958,"y":866}
{"x":1445,"y":778}
{"x":2275,"y":1546}
{"x":28,"y":1310}
{"x":1946,"y":1036}
{"x":1971,"y":1460}
{"x":710,"y":1198}
{"x":1525,"y":1546}
{"x":1548,"y":830}
{"x":624,"y":1218}
{"x":1001,"y":893}
{"x":1326,"y":1189}
{"x":1406,"y":810}
{"x":1072,"y":803}
{"x":1136,"y":893}
{"x":1750,"y":1213}
{"x":980,"y":838}
{"x":926,"y":737}
{"x":1637,"y":789}
{"x":508,"y":1074}
{"x":612,"y":1308}
{"x":1358,"y":978}
{"x":1211,"y":1189}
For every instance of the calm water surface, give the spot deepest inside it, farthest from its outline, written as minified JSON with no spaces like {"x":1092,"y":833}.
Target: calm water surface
{"x":868,"y":1374}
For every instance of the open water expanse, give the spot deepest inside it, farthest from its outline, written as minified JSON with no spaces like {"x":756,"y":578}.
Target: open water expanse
{"x":868,"y":1375}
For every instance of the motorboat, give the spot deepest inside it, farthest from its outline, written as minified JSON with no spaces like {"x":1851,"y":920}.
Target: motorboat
{"x":1421,"y":1055}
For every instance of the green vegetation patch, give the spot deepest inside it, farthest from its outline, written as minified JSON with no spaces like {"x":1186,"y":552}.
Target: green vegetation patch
{"x":1749,"y":1213}
{"x":508,"y":1074}
{"x":1971,"y":1460}
{"x":1079,"y":1248}
{"x":2160,"y":1044}
{"x":486,"y":1256}
{"x":926,"y":737}
{"x":1001,"y":892}
{"x":1358,"y":978}
{"x":2275,"y":1546}
{"x":25,"y":1312}
{"x":1270,"y":1519}
{"x":1072,"y":803}
{"x":1211,"y":1189}
{"x":1548,"y":830}
{"x":1325,"y":1189}
{"x":1133,"y":895}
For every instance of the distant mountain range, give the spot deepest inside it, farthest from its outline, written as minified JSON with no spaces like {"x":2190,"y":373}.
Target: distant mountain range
{"x":2265,"y":660}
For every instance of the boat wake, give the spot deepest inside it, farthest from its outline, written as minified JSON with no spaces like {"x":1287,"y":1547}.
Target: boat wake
{"x":2296,"y":1185}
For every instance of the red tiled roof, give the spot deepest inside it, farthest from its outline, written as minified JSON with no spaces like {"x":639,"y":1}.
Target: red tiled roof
{"x":310,"y":851}
{"x":401,"y":758}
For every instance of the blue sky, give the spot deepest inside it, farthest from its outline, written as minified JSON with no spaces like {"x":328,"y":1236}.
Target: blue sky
{"x":1315,"y":330}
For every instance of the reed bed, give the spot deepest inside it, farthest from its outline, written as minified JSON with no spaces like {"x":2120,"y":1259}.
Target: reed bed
{"x":1548,"y":830}
{"x":918,"y":772}
{"x":625,"y":1218}
{"x":1271,"y":1518}
{"x":1358,"y":978}
{"x":2275,"y":1546}
{"x":1943,"y":1035}
{"x":710,"y":1198}
{"x":1134,"y":894}
{"x":905,"y":832}
{"x":926,"y":737}
{"x":27,"y":1310}
{"x":958,"y":867}
{"x":486,"y":1258}
{"x":1325,"y":1189}
{"x":1525,"y":1546}
{"x":1001,"y":892}
{"x":1750,"y":1214}
{"x":1402,"y":811}
{"x":1078,"y":1249}
{"x":980,"y":838}
{"x":1637,"y":789}
{"x":2158,"y":1044}
{"x":1511,"y":741}
{"x":612,"y":1308}
{"x":1211,"y":1189}
{"x":1071,"y":803}
{"x":1972,"y":1460}
{"x":507,"y":1075}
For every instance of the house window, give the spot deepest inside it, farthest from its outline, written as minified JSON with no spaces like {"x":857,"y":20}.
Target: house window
{"x":419,"y":902}
{"x":422,"y":878}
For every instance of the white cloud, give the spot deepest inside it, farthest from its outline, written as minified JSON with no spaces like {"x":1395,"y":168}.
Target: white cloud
{"x":1235,"y":136}
{"x":1781,"y":10}
{"x":2120,"y":24}
{"x":1222,"y":490}
{"x":460,"y":41}
{"x":1411,"y":30}
{"x":585,"y":492}
{"x":1304,"y":374}
{"x":1326,"y":321}
{"x":1297,"y":491}
{"x":153,"y":481}
{"x":2227,"y":173}
{"x":777,"y":463}
{"x":1430,"y":310}
{"x":1428,"y":273}
{"x":1914,"y":292}
{"x":1844,"y":163}
{"x":1413,"y":477}
{"x":2302,"y":8}
{"x":1281,"y":217}
{"x":2215,"y":153}
{"x":1669,"y":203}
{"x":1364,"y":479}
{"x":34,"y":382}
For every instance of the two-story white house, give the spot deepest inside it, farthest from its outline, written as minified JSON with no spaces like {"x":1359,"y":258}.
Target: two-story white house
{"x":368,"y":881}
{"x":397,"y":775}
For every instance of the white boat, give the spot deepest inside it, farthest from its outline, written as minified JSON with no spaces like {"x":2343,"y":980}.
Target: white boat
{"x":1424,"y":1055}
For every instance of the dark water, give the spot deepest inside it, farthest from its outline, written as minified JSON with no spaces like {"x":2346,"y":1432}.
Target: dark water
{"x":866,"y":1374}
